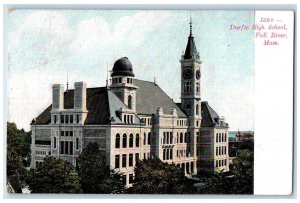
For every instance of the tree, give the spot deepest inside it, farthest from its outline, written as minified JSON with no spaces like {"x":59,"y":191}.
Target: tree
{"x":238,"y":181}
{"x":18,"y":151}
{"x":54,"y":176}
{"x":95,"y":176}
{"x":152,"y":176}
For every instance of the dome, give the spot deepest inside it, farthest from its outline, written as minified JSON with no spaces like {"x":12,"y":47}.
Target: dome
{"x":122,"y":67}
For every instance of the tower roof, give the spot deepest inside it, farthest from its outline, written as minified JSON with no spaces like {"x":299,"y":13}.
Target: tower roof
{"x":122,"y":67}
{"x":191,"y":50}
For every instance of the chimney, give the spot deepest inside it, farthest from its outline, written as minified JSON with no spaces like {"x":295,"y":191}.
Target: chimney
{"x":80,"y":96}
{"x":57,"y":97}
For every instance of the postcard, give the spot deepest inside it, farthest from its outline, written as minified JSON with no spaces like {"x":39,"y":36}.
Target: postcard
{"x":148,"y":101}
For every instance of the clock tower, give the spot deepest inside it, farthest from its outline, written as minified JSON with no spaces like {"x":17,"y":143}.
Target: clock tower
{"x":190,"y":82}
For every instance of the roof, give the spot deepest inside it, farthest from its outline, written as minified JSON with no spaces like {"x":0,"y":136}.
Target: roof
{"x":210,"y":118}
{"x":103,"y":106}
{"x":191,"y":50}
{"x":150,"y":96}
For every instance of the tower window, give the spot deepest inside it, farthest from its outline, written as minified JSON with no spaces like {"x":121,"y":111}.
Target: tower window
{"x":197,"y":109}
{"x":120,"y":80}
{"x":187,"y":87}
{"x":130,"y":101}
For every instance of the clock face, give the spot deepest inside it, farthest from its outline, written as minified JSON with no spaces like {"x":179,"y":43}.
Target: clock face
{"x":187,"y":73}
{"x":198,"y":75}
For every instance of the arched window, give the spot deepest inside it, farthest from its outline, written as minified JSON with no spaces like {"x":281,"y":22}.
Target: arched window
{"x":137,"y":140}
{"x":171,"y":138}
{"x":149,"y":138}
{"x":117,"y":141}
{"x":130,"y":101}
{"x":177,"y":138}
{"x":124,"y":140}
{"x":145,"y":138}
{"x":131,"y":140}
{"x":197,"y":109}
{"x":185,"y":137}
{"x":181,"y":137}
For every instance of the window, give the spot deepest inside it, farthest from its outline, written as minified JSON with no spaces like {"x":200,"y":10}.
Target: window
{"x":130,"y":160}
{"x":124,"y":160}
{"x":54,"y":143}
{"x":77,"y":143}
{"x":164,"y":154}
{"x":66,"y":133}
{"x":127,"y":80}
{"x":62,"y":119}
{"x":117,"y":161}
{"x":55,"y":119}
{"x":62,"y":147}
{"x":137,"y":140}
{"x":71,"y":147}
{"x":120,"y":80}
{"x":125,"y":119}
{"x":67,"y":118}
{"x":217,"y":137}
{"x":187,"y":87}
{"x":124,"y":140}
{"x":145,"y":138}
{"x":225,"y":138}
{"x":171,"y":154}
{"x":185,"y":137}
{"x":130,"y":178}
{"x":117,"y":144}
{"x":197,"y":87}
{"x":71,"y":118}
{"x":137,"y":157}
{"x":217,"y":151}
{"x":130,"y":101}
{"x":217,"y":165}
{"x":181,"y":137}
{"x":149,"y":138}
{"x":131,"y":140}
{"x":197,"y":110}
{"x":77,"y":118}
{"x":71,"y":133}
{"x":66,"y":147}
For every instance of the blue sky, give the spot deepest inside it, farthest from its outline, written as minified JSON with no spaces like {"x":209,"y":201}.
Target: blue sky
{"x":44,"y":44}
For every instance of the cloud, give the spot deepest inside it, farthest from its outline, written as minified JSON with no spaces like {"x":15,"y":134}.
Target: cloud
{"x":46,"y":44}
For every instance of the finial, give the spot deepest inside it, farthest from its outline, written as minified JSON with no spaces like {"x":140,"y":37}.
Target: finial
{"x":106,"y":75}
{"x":67,"y":79}
{"x":191,"y":26}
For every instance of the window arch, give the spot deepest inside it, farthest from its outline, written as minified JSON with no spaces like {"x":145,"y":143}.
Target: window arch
{"x":131,"y":140}
{"x":130,"y":101}
{"x":137,"y":140}
{"x":149,"y":138}
{"x":117,"y":144}
{"x":124,"y":140}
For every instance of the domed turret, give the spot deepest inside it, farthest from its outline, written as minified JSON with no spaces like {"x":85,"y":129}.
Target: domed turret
{"x":122,"y":67}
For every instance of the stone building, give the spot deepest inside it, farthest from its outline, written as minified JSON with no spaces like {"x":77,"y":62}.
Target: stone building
{"x":133,"y":119}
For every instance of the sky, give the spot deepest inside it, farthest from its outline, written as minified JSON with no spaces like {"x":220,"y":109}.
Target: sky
{"x":43,"y":45}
